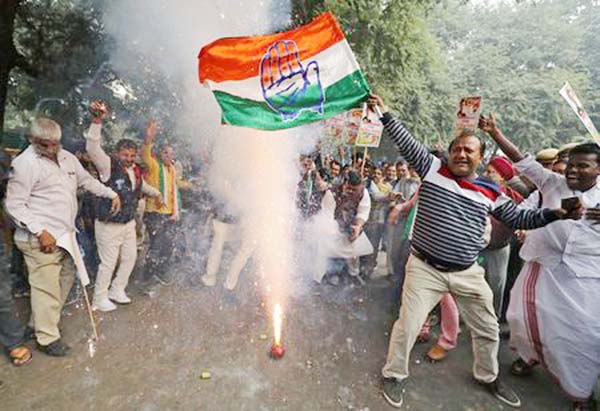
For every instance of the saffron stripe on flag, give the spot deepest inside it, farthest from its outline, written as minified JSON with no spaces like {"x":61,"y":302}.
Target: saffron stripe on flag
{"x":336,"y":62}
{"x":238,"y":58}
{"x":343,"y":95}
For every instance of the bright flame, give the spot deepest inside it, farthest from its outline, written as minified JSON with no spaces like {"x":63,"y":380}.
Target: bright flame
{"x":277,"y":319}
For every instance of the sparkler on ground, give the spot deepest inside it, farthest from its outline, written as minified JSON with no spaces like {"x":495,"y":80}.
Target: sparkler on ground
{"x":277,"y":349}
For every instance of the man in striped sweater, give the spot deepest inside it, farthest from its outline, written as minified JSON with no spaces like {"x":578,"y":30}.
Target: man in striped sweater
{"x":448,"y":235}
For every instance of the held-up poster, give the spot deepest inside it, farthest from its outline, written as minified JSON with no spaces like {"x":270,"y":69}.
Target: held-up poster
{"x":467,"y":115}
{"x":345,"y":127}
{"x":569,"y":94}
{"x":369,"y":131}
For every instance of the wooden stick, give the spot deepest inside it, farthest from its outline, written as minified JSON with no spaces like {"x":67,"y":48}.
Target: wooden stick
{"x":90,"y":312}
{"x":362,"y":166}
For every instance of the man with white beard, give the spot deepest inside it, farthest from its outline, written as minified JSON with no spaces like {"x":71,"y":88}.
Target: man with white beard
{"x":42,"y":200}
{"x":554,"y":305}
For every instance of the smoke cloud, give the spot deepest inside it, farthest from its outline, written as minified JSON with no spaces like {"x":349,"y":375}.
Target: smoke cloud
{"x":254,"y":173}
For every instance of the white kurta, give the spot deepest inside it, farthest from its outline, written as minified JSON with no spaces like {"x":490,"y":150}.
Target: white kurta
{"x":42,"y":195}
{"x":554,"y":305}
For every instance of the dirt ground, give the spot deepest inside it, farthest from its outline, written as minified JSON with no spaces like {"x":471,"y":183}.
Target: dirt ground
{"x":152,"y":353}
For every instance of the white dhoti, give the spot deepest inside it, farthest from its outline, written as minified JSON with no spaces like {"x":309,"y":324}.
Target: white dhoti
{"x":555,"y":304}
{"x":331,"y":243}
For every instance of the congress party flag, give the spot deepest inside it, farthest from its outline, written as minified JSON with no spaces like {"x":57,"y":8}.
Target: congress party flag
{"x":286,"y":79}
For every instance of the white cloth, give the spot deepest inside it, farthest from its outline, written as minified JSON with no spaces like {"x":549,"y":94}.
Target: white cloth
{"x":68,"y":242}
{"x":42,"y":195}
{"x":102,"y":161}
{"x":554,"y":305}
{"x":331,"y":243}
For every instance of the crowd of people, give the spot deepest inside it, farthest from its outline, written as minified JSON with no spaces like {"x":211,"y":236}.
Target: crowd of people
{"x":513,"y":238}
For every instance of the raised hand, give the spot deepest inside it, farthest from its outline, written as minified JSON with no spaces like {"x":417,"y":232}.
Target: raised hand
{"x":487,"y":125}
{"x":98,"y":109}
{"x":287,"y":86}
{"x":151,"y":131}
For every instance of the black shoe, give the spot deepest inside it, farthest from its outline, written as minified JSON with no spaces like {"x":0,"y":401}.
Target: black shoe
{"x":520,"y":368}
{"x":589,"y":405}
{"x":54,"y":349}
{"x":503,"y":393}
{"x":393,"y":392}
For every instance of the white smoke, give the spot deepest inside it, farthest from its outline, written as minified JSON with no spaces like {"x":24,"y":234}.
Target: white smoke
{"x":254,"y":172}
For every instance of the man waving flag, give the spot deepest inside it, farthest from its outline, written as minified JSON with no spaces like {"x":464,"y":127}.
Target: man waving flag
{"x":284,"y":80}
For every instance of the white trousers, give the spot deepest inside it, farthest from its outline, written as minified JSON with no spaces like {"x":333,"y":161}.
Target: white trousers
{"x":116,"y":245}
{"x":222,"y":233}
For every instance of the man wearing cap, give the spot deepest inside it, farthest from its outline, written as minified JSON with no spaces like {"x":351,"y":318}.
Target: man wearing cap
{"x":554,"y":305}
{"x":42,"y":200}
{"x":547,"y":157}
{"x":448,"y":235}
{"x":497,"y":254}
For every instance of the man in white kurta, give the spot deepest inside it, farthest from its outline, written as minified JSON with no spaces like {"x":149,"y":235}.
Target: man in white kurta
{"x":554,"y":306}
{"x":41,"y":199}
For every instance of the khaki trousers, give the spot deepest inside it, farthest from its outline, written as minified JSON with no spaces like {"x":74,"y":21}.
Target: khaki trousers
{"x":51,"y":277}
{"x":423,"y":288}
{"x":117,"y":243}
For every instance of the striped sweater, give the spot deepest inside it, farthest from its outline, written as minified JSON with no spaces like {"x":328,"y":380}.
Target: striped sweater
{"x":453,"y":212}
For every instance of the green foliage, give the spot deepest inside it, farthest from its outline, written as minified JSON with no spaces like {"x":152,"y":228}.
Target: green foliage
{"x":399,"y":55}
{"x":518,"y":56}
{"x":63,"y":41}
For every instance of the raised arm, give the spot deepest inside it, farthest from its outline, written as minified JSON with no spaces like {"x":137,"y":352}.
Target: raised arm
{"x":93,"y":143}
{"x":488,"y":125}
{"x":412,"y":150}
{"x":147,"y":147}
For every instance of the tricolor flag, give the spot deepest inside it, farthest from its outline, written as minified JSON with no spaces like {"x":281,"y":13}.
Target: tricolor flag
{"x":284,"y":80}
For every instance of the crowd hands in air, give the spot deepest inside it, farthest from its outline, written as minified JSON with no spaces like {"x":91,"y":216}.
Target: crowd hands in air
{"x":451,"y":228}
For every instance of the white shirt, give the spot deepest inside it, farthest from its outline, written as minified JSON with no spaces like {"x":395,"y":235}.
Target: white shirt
{"x":574,"y":242}
{"x":102,"y":161}
{"x":42,"y":195}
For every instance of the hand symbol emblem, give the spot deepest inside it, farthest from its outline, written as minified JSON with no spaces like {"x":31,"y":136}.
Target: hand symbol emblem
{"x":289,"y":88}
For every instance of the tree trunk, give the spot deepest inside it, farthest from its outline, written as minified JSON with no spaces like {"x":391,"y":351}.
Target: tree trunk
{"x":8,"y":54}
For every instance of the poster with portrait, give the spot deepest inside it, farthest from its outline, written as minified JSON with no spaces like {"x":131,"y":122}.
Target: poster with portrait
{"x":569,"y":94}
{"x":369,"y":131}
{"x":343,"y":128}
{"x":467,"y":115}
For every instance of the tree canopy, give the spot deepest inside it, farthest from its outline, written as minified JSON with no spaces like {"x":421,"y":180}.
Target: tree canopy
{"x":421,"y":56}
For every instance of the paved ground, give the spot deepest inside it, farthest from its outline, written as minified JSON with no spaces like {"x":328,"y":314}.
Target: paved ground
{"x":152,"y":353}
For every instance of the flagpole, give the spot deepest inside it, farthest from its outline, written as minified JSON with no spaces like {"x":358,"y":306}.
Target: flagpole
{"x":362,"y":166}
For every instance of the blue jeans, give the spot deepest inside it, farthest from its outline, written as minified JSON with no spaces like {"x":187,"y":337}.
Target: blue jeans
{"x":11,"y":329}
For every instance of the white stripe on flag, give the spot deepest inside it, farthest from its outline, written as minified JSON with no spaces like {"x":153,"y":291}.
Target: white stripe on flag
{"x":335,"y":63}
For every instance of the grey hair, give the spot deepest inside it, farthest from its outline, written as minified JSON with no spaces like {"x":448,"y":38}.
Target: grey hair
{"x":45,"y":129}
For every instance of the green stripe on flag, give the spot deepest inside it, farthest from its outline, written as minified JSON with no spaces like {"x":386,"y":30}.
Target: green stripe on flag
{"x":339,"y":97}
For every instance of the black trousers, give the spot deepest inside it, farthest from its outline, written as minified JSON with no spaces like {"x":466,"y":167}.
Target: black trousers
{"x":162,"y":232}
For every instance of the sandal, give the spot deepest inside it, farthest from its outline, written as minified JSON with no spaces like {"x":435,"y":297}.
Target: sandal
{"x":19,"y":356}
{"x":520,"y":368}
